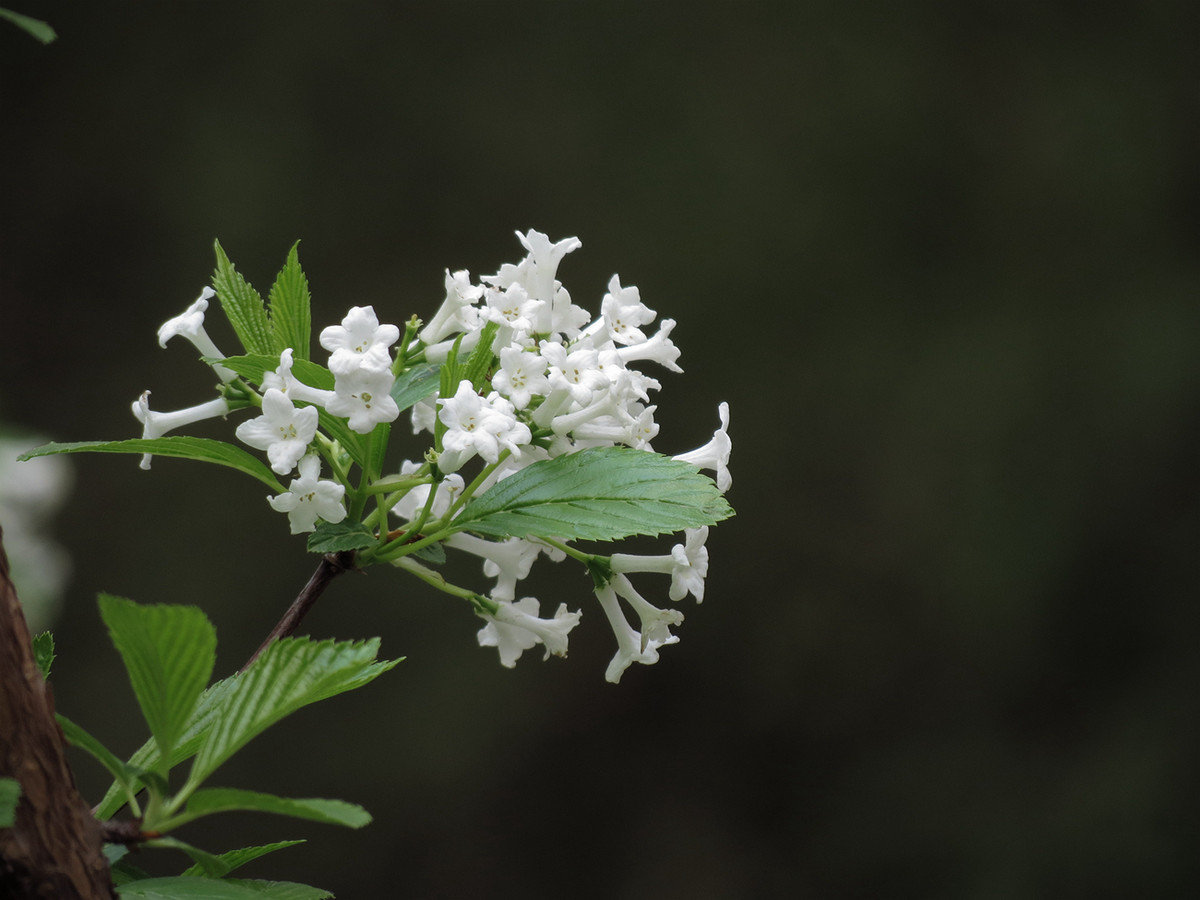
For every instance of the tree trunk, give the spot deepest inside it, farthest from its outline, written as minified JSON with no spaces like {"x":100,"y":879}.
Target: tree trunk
{"x":54,"y":848}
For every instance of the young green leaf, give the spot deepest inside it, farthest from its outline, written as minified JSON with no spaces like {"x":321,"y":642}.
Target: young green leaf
{"x":10,"y":794}
{"x":235,"y":859}
{"x":291,"y":316}
{"x":331,"y":812}
{"x":212,"y":866}
{"x":43,"y":653}
{"x":35,"y":27}
{"x":200,"y":449}
{"x":333,"y":538}
{"x":169,"y":652}
{"x":185,"y":888}
{"x":599,"y":494}
{"x":416,"y":384}
{"x":480,"y":359}
{"x":253,"y":366}
{"x":290,"y":674}
{"x":243,"y":306}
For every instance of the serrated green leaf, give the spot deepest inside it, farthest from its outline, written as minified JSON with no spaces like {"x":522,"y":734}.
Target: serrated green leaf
{"x":225,"y":889}
{"x":212,"y":866}
{"x":199,"y":449}
{"x":290,"y":309}
{"x":415,"y":385}
{"x":333,"y":538}
{"x":600,"y":494}
{"x":253,"y":366}
{"x":290,"y":674}
{"x":36,"y":27}
{"x":43,"y":653}
{"x":331,"y":812}
{"x":169,"y":652}
{"x":235,"y":859}
{"x":243,"y":306}
{"x":431,"y":553}
{"x":10,"y":795}
{"x":481,"y":358}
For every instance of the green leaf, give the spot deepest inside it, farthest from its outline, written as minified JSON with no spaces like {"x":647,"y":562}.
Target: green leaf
{"x":431,"y":553}
{"x":243,"y":306}
{"x":126,"y":775}
{"x":35,"y":27}
{"x":10,"y":794}
{"x":169,"y":652}
{"x":235,"y":859}
{"x":333,"y":538}
{"x":291,"y":674}
{"x":481,"y":358}
{"x":253,"y":366}
{"x":43,"y":653}
{"x":600,"y":494}
{"x":225,"y":889}
{"x":416,"y":384}
{"x":291,"y":315}
{"x":331,"y":812}
{"x":200,"y":449}
{"x":212,"y":866}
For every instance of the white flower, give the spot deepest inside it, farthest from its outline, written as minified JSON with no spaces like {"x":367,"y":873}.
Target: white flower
{"x":364,"y":397}
{"x":536,"y":273}
{"x":576,"y":371}
{"x":360,"y":341}
{"x":513,"y":307}
{"x":515,"y":628}
{"x":521,"y":375}
{"x":687,"y":564}
{"x":715,"y":454}
{"x":410,"y":505}
{"x":282,"y":430}
{"x":658,"y":349}
{"x":478,"y":425}
{"x":623,"y":312}
{"x":507,"y":561}
{"x":654,"y":621}
{"x":457,"y":312}
{"x":283,"y":380}
{"x":630,"y":646}
{"x":190,"y":324}
{"x":308,"y":498}
{"x":156,"y":424}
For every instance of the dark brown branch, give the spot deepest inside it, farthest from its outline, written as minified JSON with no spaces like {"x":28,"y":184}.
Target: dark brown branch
{"x":332,"y":565}
{"x":54,"y":846}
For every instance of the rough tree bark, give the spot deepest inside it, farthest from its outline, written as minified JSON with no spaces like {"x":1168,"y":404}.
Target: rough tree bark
{"x":54,"y":848}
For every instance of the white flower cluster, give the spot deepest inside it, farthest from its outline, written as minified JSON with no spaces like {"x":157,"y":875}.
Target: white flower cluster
{"x":559,"y":382}
{"x":571,"y":379}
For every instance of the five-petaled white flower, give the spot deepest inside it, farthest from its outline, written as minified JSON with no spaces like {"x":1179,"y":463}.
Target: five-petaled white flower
{"x":715,"y":454}
{"x":521,"y":375}
{"x":364,"y":397}
{"x":190,"y":324}
{"x":308,"y":498}
{"x":515,"y":628}
{"x":478,"y":425}
{"x":360,"y":341}
{"x":282,"y":430}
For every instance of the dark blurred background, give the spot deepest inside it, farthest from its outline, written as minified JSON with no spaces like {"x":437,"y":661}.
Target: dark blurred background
{"x":941,"y":259}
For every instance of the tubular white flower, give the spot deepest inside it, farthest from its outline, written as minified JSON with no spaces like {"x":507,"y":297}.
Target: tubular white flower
{"x":515,"y":628}
{"x":190,"y":324}
{"x":512,"y":307}
{"x":623,"y":311}
{"x":687,"y":564}
{"x":284,"y":381}
{"x":715,"y":454}
{"x":363,"y":396}
{"x":576,"y":371}
{"x":521,"y":375}
{"x":478,"y":425}
{"x":359,"y":342}
{"x":507,"y":561}
{"x":156,"y":424}
{"x":410,"y":505}
{"x":658,"y":349}
{"x":655,"y":622}
{"x":308,"y":498}
{"x":630,"y":647}
{"x":282,"y":430}
{"x":457,"y":312}
{"x":635,"y":428}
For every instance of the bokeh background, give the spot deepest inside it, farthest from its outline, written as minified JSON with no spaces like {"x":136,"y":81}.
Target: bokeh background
{"x":941,"y":259}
